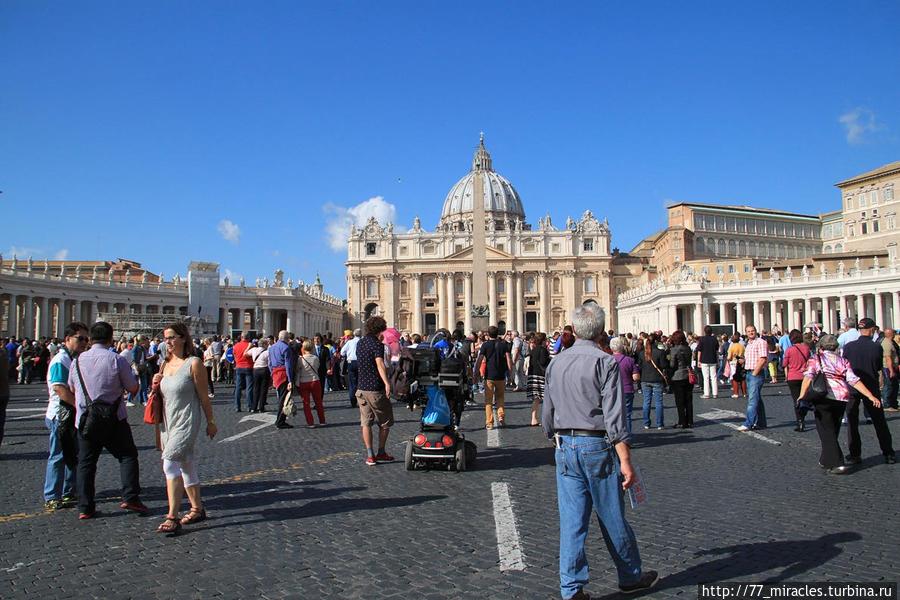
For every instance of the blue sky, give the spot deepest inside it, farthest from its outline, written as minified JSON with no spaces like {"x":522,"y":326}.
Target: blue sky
{"x":241,"y":132}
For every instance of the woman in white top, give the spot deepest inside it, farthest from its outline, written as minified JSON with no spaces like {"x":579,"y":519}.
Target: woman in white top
{"x":261,"y":377}
{"x":307,"y":381}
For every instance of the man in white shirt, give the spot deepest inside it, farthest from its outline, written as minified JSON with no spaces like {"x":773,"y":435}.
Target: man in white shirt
{"x":349,"y":353}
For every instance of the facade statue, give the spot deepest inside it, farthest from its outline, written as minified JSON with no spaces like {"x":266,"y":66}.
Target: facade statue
{"x":177,"y":279}
{"x":225,"y":281}
{"x":804,"y":272}
{"x":417,"y":224}
{"x":78,"y":271}
{"x":94,"y":273}
{"x":856,"y":265}
{"x":62,"y":271}
{"x":30,"y":264}
{"x":15,"y":262}
{"x":570,"y":224}
{"x":243,"y":283}
{"x":841,"y":268}
{"x":772,"y":274}
{"x":788,"y":273}
{"x":144,"y":278}
{"x":279,"y":278}
{"x":265,"y":282}
{"x":290,"y":283}
{"x":875,"y":264}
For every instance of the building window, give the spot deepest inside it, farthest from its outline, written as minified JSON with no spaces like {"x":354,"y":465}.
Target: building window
{"x":838,"y":229}
{"x":875,"y":226}
{"x":863,"y":215}
{"x":838,"y":248}
{"x":742,"y":248}
{"x":528,"y":247}
{"x":529,"y":284}
{"x":404,"y":288}
{"x":429,"y":286}
{"x":827,"y":249}
{"x":862,"y":200}
{"x":590,"y":286}
{"x":849,"y":200}
{"x":719,"y":270}
{"x":698,"y":222}
{"x":890,"y":222}
{"x":770,"y":227}
{"x":428,"y":248}
{"x":731,"y":268}
{"x":720,"y":248}
{"x":501,"y":286}
{"x":404,"y":250}
{"x":746,"y":268}
{"x":554,"y":247}
{"x":864,"y":228}
{"x":370,"y":249}
{"x":720,"y":223}
{"x":371,"y":288}
{"x":556,"y":285}
{"x":458,"y":286}
{"x":732,"y":248}
{"x":888,"y":193}
{"x":588,"y":245}
{"x":873,"y":197}
{"x":751,"y":248}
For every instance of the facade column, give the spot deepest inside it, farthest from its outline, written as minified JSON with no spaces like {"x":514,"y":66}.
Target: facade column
{"x":544,"y":321}
{"x":698,"y":318}
{"x":417,"y":303}
{"x":390,"y":295}
{"x":570,"y":296}
{"x":467,"y":302}
{"x":520,"y":304}
{"x":895,"y":310}
{"x":29,"y":317}
{"x":510,"y":300}
{"x":879,"y":310}
{"x":451,"y":301}
{"x":845,"y":307}
{"x":739,"y":316}
{"x":492,"y":297}
{"x":442,"y":299}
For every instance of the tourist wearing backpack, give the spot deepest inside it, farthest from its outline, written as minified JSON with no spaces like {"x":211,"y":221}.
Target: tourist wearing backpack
{"x":495,"y":354}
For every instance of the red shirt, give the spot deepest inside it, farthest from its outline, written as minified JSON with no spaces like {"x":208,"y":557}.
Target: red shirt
{"x":241,"y":361}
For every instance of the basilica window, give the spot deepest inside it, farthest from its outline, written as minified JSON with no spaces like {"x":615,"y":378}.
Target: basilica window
{"x":720,"y":247}
{"x":556,"y":285}
{"x":404,"y":288}
{"x":404,"y":250}
{"x":742,"y":248}
{"x":732,"y":248}
{"x":770,"y":228}
{"x":875,"y":226}
{"x":429,"y":286}
{"x":529,"y":284}
{"x":428,"y":248}
{"x":588,"y":244}
{"x":500,"y":247}
{"x":698,"y":222}
{"x":370,"y":248}
{"x":838,"y":229}
{"x":699,"y":246}
{"x":590,"y":284}
{"x":720,"y":223}
{"x":371,"y":287}
{"x":501,"y":286}
{"x":458,"y":286}
{"x":864,"y":228}
{"x":751,"y":248}
{"x":849,"y":202}
{"x":732,"y":224}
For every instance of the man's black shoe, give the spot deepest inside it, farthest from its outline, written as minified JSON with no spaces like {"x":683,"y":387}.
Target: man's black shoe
{"x":284,"y":426}
{"x":852,"y":460}
{"x":890,"y":459}
{"x":648,"y":580}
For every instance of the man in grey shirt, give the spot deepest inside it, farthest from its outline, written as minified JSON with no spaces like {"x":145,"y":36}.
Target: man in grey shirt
{"x":584,"y":411}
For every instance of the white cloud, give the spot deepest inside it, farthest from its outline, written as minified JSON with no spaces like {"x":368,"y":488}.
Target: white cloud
{"x":229,"y":231}
{"x":26,"y":252}
{"x":61,"y":254}
{"x":858,"y":123}
{"x":233,"y":278}
{"x":341,"y":219}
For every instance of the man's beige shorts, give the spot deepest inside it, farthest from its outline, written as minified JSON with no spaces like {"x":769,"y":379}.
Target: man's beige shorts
{"x":374,"y":407}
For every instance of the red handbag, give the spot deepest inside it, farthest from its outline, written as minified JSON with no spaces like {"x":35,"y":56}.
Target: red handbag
{"x":153,"y":412}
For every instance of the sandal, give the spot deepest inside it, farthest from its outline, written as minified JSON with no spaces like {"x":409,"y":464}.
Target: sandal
{"x":171,"y":526}
{"x":194,"y":516}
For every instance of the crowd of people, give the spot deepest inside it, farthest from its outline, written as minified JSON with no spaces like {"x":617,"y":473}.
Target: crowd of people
{"x":581,"y":383}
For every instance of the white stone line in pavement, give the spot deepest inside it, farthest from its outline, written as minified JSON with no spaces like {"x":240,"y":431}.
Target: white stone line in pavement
{"x":508,"y":545}
{"x":493,"y":438}
{"x":37,"y":415}
{"x":719,"y":415}
{"x":267,"y":419}
{"x":34,"y":409}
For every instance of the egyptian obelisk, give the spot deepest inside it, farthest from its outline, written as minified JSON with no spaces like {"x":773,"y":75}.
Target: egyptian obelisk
{"x":481,"y":318}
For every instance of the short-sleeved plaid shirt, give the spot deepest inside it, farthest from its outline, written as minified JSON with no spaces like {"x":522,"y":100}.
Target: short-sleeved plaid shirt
{"x":755,"y":350}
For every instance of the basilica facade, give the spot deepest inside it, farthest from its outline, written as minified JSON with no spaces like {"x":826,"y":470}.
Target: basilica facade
{"x":531,"y":275}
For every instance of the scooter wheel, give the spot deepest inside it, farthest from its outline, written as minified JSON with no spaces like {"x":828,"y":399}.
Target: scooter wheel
{"x":460,"y":459}
{"x":410,"y":463}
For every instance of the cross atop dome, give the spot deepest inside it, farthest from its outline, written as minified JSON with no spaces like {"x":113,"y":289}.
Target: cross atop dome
{"x":482,"y":159}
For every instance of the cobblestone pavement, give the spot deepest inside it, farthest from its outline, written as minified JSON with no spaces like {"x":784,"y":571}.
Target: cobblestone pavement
{"x":295,"y":513}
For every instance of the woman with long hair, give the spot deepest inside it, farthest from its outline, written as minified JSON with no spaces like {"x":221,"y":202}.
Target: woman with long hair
{"x":680,"y":362}
{"x":309,"y":384}
{"x":538,"y":360}
{"x":652,"y":362}
{"x":736,"y":358}
{"x":181,"y":384}
{"x":796,"y":358}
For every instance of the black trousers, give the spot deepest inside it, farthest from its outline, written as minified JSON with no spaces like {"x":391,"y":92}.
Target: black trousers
{"x":794,"y":386}
{"x":684,"y":402}
{"x":854,"y":442}
{"x":120,"y":444}
{"x":261,"y":385}
{"x":828,"y":424}
{"x":352,"y":380}
{"x":281,"y":390}
{"x":209,"y":380}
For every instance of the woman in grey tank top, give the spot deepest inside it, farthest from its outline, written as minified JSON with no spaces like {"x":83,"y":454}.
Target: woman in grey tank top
{"x":182,"y":385}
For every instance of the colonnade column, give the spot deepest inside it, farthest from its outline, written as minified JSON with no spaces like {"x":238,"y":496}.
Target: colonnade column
{"x":895,"y":310}
{"x":698,"y":317}
{"x":757,"y":315}
{"x":672,"y":315}
{"x":44,"y":321}
{"x":807,"y":313}
{"x":60,"y":317}
{"x":492,"y":297}
{"x":739,"y":316}
{"x":879,"y":310}
{"x":13,"y":320}
{"x":844,"y":307}
{"x":417,"y":303}
{"x":467,"y":302}
{"x":29,"y":317}
{"x":544,"y":322}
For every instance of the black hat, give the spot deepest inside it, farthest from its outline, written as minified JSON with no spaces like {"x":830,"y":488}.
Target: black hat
{"x":866,"y":323}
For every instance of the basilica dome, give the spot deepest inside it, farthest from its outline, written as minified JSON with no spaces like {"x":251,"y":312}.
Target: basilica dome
{"x":500,"y":199}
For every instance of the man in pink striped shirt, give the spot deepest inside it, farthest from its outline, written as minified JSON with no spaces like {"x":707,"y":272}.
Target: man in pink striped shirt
{"x":756,"y":356}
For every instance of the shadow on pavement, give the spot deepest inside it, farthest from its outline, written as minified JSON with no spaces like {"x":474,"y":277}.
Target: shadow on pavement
{"x":742,"y":561}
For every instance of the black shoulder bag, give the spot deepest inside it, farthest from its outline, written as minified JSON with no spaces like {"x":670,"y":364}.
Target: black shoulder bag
{"x":818,"y":389}
{"x":99,"y":418}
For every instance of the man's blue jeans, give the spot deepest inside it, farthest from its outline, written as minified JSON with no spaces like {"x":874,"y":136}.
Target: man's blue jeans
{"x":629,"y":405}
{"x":756,"y":410}
{"x":59,"y":480}
{"x":653,"y":392}
{"x":889,"y":391}
{"x":243,"y":378}
{"x":588,"y":477}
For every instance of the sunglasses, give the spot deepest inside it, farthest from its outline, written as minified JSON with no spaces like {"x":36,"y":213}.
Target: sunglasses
{"x":83,"y":338}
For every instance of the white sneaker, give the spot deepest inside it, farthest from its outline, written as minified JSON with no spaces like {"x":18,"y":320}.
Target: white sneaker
{"x":734,"y":395}
{"x":129,"y":404}
{"x":743,"y":428}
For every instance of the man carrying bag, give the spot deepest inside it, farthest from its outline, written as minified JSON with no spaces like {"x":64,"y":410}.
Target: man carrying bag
{"x":99,"y":378}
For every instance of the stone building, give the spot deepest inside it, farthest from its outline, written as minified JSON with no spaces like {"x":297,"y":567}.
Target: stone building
{"x":38,"y":298}
{"x":482,"y":263}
